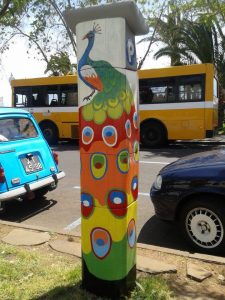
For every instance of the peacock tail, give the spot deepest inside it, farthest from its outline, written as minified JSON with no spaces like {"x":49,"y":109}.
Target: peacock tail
{"x":115,"y":98}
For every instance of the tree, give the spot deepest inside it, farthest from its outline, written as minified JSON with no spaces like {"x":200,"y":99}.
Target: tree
{"x":11,"y":7}
{"x":59,"y":64}
{"x":44,"y":28}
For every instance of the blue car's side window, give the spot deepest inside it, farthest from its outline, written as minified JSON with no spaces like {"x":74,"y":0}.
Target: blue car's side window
{"x":12,"y":129}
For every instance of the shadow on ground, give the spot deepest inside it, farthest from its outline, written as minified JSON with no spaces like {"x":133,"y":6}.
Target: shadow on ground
{"x":68,"y":292}
{"x":20,"y":211}
{"x":163,"y":234}
{"x":178,"y":150}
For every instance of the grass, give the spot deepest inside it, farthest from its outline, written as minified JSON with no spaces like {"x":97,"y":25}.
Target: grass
{"x":221,"y":130}
{"x":25,"y":274}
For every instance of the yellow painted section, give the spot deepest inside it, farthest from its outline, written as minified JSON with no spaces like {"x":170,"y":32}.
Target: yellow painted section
{"x":63,"y":120}
{"x":181,"y":124}
{"x":69,"y":79}
{"x":102,"y":217}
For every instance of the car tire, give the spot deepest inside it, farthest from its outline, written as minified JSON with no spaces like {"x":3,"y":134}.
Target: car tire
{"x":50,"y":132}
{"x":153,"y":134}
{"x":202,"y":222}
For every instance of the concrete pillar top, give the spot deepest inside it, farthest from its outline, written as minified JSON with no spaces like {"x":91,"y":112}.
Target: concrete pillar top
{"x":125,"y":9}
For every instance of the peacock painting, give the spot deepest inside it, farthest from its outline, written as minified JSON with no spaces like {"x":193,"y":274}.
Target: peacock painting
{"x":110,"y":94}
{"x":109,"y":167}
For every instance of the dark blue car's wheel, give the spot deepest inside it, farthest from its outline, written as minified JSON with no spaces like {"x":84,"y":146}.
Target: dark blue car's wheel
{"x":203,"y":224}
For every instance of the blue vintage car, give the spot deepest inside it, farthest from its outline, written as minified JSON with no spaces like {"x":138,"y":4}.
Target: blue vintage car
{"x":191,"y":191}
{"x":28,"y":167}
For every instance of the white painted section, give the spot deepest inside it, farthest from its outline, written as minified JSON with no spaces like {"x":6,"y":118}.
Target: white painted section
{"x":76,"y":187}
{"x":49,"y":109}
{"x":185,"y":105}
{"x":170,"y":106}
{"x":73,"y":225}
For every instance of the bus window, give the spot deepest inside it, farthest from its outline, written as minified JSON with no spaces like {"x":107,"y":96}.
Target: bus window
{"x":157,"y":91}
{"x":52,"y":96}
{"x":21,"y":100}
{"x":190,"y":88}
{"x":38,"y":95}
{"x":69,"y":95}
{"x":22,"y":96}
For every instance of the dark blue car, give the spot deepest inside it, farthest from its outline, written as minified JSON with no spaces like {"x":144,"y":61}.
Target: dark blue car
{"x":191,"y":191}
{"x":28,"y":167}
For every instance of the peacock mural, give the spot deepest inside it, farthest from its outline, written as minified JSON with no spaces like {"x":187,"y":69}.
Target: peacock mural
{"x":109,"y":147}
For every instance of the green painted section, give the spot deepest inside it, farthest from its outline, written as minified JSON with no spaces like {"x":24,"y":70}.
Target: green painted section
{"x":115,"y":98}
{"x":116,"y":265}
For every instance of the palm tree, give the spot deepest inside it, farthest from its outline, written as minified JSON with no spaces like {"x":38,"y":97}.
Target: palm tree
{"x":198,"y":42}
{"x":201,"y":42}
{"x":169,"y":33}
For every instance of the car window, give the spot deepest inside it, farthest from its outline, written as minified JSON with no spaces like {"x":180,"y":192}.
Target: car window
{"x":12,"y":129}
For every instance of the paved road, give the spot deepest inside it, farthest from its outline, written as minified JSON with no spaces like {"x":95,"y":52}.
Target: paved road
{"x":60,"y":211}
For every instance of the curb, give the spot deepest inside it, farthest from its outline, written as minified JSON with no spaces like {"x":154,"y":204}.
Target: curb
{"x":198,"y":256}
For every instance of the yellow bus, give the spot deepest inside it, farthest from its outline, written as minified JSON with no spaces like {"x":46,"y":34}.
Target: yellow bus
{"x":176,"y":103}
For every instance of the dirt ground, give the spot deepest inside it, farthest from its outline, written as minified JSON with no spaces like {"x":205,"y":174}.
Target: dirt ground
{"x":184,"y":288}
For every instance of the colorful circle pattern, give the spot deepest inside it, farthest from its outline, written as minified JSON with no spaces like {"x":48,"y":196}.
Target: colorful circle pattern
{"x":134,"y":187}
{"x":98,"y":165}
{"x":135,"y":120}
{"x":87,"y":205}
{"x":131,"y":233}
{"x":101,"y":242}
{"x":117,"y":203}
{"x":123,"y":161}
{"x":109,"y":135}
{"x":128,"y":128}
{"x":87,"y":135}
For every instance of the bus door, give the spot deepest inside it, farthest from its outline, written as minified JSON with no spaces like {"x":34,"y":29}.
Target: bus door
{"x":191,"y":101}
{"x":69,"y":111}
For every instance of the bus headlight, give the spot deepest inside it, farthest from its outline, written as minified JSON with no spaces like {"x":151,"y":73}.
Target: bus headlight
{"x":158,"y":182}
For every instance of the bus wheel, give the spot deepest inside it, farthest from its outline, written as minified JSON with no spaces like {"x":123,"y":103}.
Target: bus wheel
{"x":50,"y":132}
{"x":153,"y":134}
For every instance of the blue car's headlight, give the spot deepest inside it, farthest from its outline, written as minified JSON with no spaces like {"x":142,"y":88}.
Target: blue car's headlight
{"x":158,"y":182}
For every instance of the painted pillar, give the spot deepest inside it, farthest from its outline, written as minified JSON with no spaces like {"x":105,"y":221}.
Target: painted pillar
{"x":109,"y":143}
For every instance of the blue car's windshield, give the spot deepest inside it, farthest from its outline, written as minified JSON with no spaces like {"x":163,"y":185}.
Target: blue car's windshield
{"x":12,"y":129}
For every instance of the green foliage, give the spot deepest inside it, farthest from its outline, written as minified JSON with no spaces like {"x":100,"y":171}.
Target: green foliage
{"x":151,"y":288}
{"x":169,"y":33}
{"x":28,"y":274}
{"x":192,"y":31}
{"x":11,"y":10}
{"x":59,"y":64}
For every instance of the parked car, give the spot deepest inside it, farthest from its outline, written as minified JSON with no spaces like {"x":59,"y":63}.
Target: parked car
{"x":28,"y":167}
{"x":191,"y":191}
